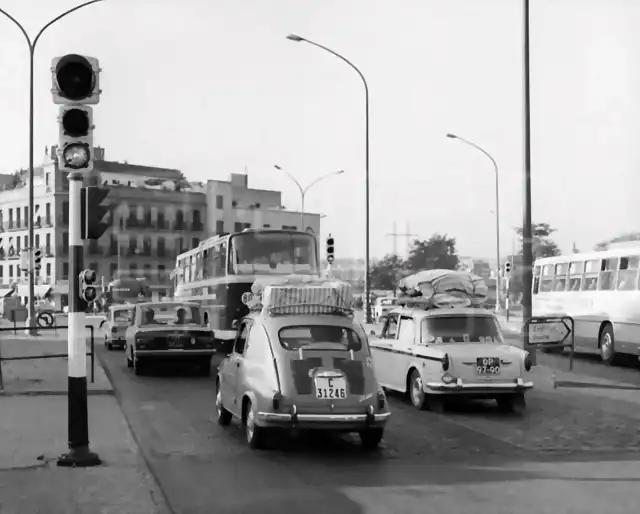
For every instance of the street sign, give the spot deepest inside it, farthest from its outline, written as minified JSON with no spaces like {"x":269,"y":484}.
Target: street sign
{"x":549,"y":331}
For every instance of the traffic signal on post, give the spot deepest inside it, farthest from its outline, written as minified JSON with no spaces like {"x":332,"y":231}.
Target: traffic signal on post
{"x":37,"y":259}
{"x":508,"y":266}
{"x":88,"y":288}
{"x":330,"y":250}
{"x":75,"y":87}
{"x":93,"y":214}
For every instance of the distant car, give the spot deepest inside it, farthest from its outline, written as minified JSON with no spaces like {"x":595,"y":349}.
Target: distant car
{"x":436,"y":354}
{"x":383,"y":307}
{"x":118,"y":319}
{"x":301,"y":371}
{"x":168,"y":330}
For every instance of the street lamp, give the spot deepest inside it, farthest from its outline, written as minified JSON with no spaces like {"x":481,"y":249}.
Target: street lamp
{"x":303,"y":190}
{"x":31,"y":320}
{"x":300,"y":39}
{"x":495,"y":169}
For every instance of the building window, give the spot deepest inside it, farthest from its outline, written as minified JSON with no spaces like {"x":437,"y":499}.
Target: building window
{"x":237,"y":227}
{"x":48,"y":269}
{"x":18,"y":244}
{"x":219,"y":202}
{"x":26,"y":216}
{"x":47,"y":243}
{"x":10,"y":271}
{"x":161,"y":223}
{"x":65,"y":243}
{"x":219,"y":227}
{"x":48,"y":214}
{"x":113,"y":270}
{"x":65,"y":271}
{"x":94,"y":266}
{"x":161,"y":246}
{"x":17,"y":216}
{"x":65,"y":213}
{"x":147,"y":271}
{"x":195,"y":242}
{"x":266,"y":225}
{"x":197,"y":222}
{"x":37,"y":245}
{"x":179,"y":245}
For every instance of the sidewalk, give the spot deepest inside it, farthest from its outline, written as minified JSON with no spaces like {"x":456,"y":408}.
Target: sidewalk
{"x":34,"y":428}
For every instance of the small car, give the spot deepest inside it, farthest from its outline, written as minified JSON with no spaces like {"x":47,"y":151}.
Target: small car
{"x":301,"y":372}
{"x":168,"y":330}
{"x":383,"y":307}
{"x":434,"y":355}
{"x":115,"y":326}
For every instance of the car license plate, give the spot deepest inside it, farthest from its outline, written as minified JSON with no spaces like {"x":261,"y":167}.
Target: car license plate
{"x":175,"y":342}
{"x":488,"y":365}
{"x":331,"y":388}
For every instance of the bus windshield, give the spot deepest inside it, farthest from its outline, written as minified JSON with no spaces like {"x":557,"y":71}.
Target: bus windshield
{"x":273,"y":253}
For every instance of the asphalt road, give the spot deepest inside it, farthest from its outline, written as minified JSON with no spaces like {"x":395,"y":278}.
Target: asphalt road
{"x":203,"y":467}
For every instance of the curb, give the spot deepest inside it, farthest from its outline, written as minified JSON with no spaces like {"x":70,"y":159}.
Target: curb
{"x":95,"y":392}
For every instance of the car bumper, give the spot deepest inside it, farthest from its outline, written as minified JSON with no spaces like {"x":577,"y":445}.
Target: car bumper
{"x":174,"y":353}
{"x":116,"y":341}
{"x":323,"y":421}
{"x":463,"y":388}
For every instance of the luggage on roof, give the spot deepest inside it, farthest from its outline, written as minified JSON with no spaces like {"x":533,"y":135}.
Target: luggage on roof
{"x":440,"y":288}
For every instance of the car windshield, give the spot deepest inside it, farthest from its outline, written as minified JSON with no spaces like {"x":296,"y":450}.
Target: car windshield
{"x":122,"y":316}
{"x":169,"y":314}
{"x":273,"y":253}
{"x":294,"y":338}
{"x":460,"y":329}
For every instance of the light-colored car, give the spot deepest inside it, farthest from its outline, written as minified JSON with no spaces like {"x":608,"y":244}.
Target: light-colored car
{"x":301,"y":371}
{"x":383,"y":307}
{"x":168,"y":330}
{"x":118,"y":319}
{"x":436,"y":354}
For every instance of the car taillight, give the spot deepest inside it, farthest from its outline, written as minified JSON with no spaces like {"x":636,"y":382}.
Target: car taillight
{"x":277,"y":401}
{"x":382,"y":400}
{"x":446,"y":362}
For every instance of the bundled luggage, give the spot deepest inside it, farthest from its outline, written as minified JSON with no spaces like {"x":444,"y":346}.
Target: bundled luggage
{"x":441,"y":288}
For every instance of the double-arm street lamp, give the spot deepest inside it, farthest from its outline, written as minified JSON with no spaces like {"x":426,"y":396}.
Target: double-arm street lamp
{"x":495,"y":169}
{"x":300,"y":39}
{"x":31,"y":322}
{"x":303,"y":190}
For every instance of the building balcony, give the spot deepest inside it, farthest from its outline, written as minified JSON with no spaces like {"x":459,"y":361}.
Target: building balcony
{"x":180,"y":225}
{"x":197,"y":226}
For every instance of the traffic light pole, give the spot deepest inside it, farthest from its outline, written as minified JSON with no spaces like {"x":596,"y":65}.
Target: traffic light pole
{"x":79,"y":454}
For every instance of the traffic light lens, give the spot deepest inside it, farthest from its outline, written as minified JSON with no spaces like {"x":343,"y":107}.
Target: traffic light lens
{"x":76,"y":156}
{"x":90,"y":294}
{"x":75,"y":77}
{"x":75,"y":122}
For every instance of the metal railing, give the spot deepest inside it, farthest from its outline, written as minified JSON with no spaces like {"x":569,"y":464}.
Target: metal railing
{"x":91,"y":353}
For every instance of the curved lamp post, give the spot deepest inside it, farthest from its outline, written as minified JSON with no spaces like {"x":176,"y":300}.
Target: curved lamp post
{"x":300,"y":39}
{"x":495,"y":169}
{"x":303,"y":190}
{"x":31,"y":321}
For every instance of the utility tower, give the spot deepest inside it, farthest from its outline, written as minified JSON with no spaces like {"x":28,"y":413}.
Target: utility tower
{"x":395,"y":234}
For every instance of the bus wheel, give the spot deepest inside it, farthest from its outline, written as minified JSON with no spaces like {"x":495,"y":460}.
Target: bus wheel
{"x":607,"y":345}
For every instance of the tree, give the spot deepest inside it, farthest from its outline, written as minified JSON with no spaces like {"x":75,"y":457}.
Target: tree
{"x":623,"y":238}
{"x":541,"y":244}
{"x":438,"y":252}
{"x":385,"y":273}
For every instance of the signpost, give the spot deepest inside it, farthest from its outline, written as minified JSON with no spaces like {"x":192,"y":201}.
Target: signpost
{"x":550,"y":332}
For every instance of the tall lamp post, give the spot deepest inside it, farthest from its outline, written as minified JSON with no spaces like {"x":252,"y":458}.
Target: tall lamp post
{"x":299,"y":39}
{"x":31,"y":321}
{"x":303,"y":190}
{"x":495,"y":169}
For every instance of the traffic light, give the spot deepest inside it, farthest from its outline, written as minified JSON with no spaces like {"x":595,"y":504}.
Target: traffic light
{"x":75,"y":87}
{"x":330,"y":250}
{"x":92,"y":212}
{"x":508,"y":267}
{"x":76,"y":80}
{"x":37,"y":259}
{"x":88,"y":288}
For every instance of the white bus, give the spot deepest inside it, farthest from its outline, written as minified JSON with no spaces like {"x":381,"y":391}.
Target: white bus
{"x":599,"y":290}
{"x":221,"y":270}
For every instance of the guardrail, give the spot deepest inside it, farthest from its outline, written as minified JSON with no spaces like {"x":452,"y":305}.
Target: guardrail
{"x":91,"y":353}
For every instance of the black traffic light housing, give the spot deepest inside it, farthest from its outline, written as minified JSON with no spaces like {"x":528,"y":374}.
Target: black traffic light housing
{"x":508,"y":267}
{"x":93,"y":213}
{"x":75,"y":77}
{"x":88,"y":288}
{"x":330,"y":250}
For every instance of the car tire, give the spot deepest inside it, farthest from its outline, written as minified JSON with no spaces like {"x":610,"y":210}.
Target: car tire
{"x":138,"y":366}
{"x":205,"y":368}
{"x":514,"y":403}
{"x":127,"y":357}
{"x":223,"y":416}
{"x":254,"y":434}
{"x":415,"y":390}
{"x":370,"y":438}
{"x":606,"y":344}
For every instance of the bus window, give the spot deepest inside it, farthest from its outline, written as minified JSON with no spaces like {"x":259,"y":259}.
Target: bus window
{"x":627,"y":276}
{"x":546,"y":283}
{"x":536,"y":279}
{"x":592,"y":266}
{"x":560,"y":283}
{"x":607,"y":274}
{"x":575,"y":275}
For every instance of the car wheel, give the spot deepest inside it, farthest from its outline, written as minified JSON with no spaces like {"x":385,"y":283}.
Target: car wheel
{"x":138,"y":366}
{"x":223,"y":415}
{"x":127,"y":357}
{"x":512,"y":403}
{"x":255,"y":434}
{"x":416,"y":390}
{"x":608,"y":352}
{"x":370,"y":439}
{"x":205,"y":368}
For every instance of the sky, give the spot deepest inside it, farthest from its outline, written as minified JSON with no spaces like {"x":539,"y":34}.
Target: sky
{"x":213,"y":87}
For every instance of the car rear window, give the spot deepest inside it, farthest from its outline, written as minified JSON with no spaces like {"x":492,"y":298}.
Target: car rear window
{"x":460,"y":329}
{"x":307,"y":336}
